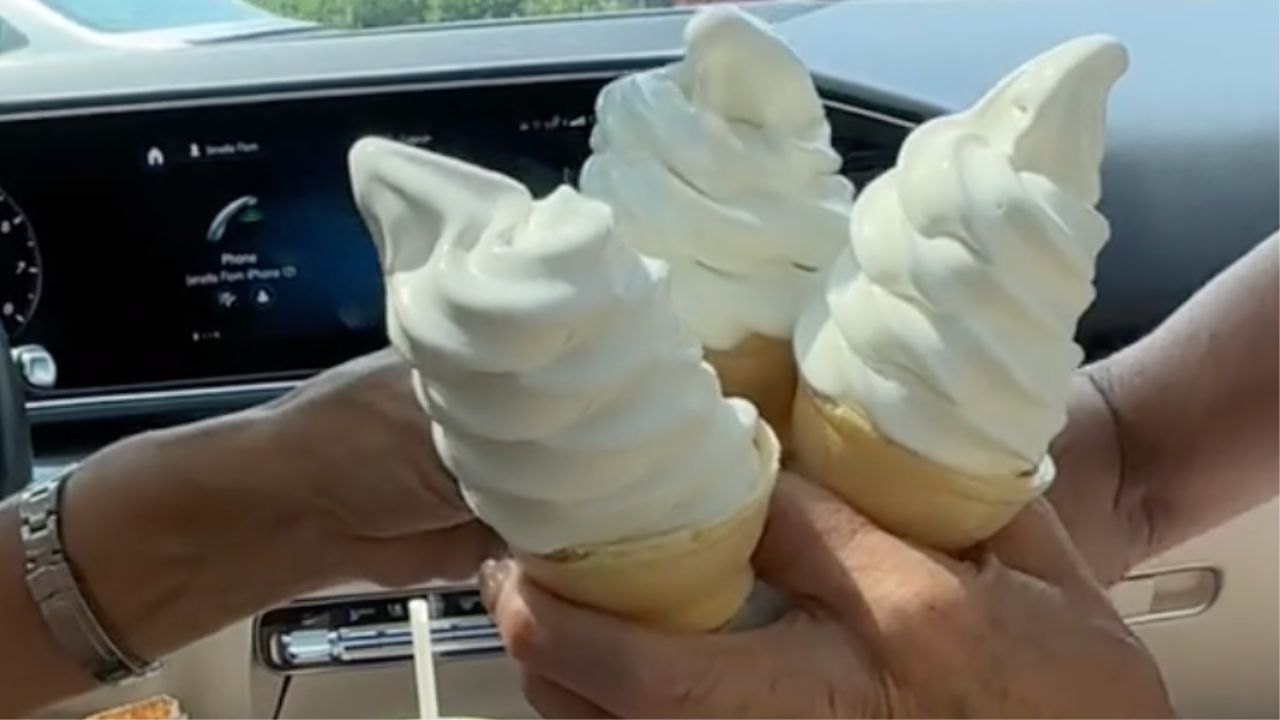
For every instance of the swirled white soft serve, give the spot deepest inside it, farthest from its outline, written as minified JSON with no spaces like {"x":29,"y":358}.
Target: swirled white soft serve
{"x":949,"y":320}
{"x":722,"y":165}
{"x":937,"y":363}
{"x":565,"y":395}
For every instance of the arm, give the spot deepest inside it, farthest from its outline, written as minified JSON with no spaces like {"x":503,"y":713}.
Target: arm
{"x":1177,"y":433}
{"x":177,"y":533}
{"x":164,"y":533}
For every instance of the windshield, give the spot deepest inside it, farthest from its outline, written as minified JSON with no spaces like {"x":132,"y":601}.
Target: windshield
{"x":47,"y":27}
{"x":143,"y":15}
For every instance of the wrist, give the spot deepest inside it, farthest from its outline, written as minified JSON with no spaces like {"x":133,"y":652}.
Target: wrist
{"x":177,"y":533}
{"x":1131,"y":503}
{"x":1093,"y":495}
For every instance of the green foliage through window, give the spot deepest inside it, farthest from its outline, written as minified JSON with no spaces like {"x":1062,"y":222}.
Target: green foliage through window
{"x":379,"y":13}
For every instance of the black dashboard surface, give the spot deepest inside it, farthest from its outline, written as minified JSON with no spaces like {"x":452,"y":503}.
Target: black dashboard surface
{"x":1190,"y":180}
{"x":220,"y":244}
{"x":190,"y":245}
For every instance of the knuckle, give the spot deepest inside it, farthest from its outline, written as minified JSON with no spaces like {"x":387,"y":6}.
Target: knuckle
{"x":960,"y":612}
{"x":944,"y":608}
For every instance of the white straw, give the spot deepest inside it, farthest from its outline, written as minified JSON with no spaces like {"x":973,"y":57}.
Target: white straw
{"x":424,"y":661}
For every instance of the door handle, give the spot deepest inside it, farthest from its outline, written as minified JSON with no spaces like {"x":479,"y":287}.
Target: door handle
{"x":1167,"y":593}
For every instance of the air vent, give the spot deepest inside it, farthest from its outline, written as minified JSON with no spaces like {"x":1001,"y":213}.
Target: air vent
{"x":370,"y":630}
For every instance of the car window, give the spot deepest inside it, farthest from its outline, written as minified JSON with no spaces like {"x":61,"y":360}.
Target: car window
{"x":57,"y":27}
{"x":143,"y":15}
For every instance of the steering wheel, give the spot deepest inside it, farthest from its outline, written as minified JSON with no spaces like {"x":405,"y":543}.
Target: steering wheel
{"x":15,"y":435}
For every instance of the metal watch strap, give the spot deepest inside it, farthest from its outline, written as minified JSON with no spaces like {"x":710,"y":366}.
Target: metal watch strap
{"x":54,"y":588}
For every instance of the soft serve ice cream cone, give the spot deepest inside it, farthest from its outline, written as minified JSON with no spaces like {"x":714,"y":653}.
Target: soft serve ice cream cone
{"x":722,"y":165}
{"x":935,"y":368}
{"x":565,"y":394}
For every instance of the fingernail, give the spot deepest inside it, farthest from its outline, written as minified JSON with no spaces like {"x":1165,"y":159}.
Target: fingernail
{"x":493,"y":575}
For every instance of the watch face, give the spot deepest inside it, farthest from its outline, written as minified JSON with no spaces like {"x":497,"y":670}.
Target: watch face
{"x":39,"y":503}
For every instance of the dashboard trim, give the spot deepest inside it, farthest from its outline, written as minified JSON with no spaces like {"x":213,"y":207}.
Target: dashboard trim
{"x":45,"y":410}
{"x":119,"y":404}
{"x":472,"y":77}
{"x":870,"y":114}
{"x":531,"y":78}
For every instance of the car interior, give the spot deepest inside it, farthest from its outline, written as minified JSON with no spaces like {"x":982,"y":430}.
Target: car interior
{"x":181,"y":241}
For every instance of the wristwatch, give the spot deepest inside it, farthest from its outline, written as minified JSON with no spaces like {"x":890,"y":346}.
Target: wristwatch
{"x":54,"y":588}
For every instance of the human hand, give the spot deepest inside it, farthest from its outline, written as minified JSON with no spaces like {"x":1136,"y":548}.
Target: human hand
{"x":879,"y":627}
{"x":360,"y":451}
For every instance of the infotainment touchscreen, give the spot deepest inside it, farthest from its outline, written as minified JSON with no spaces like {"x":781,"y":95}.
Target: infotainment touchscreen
{"x":179,"y":245}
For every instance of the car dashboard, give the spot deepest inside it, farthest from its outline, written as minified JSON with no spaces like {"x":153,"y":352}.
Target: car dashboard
{"x":215,"y":247}
{"x":178,"y":236}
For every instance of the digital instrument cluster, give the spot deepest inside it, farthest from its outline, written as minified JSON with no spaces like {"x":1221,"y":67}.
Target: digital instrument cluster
{"x":217,"y":243}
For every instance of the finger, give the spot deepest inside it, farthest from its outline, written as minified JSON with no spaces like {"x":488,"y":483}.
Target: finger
{"x":1036,"y":543}
{"x":448,"y":554}
{"x":553,"y":701}
{"x":624,"y":669}
{"x":814,"y":544}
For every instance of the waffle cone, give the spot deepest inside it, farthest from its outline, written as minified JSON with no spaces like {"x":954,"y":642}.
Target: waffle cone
{"x":690,"y":580}
{"x":762,"y":370}
{"x":903,"y":492}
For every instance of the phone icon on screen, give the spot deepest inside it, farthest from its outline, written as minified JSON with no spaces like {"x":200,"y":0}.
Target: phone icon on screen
{"x":243,"y":209}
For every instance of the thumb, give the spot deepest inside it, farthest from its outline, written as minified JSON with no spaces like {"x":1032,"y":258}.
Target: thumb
{"x":618,"y":667}
{"x":1036,"y":543}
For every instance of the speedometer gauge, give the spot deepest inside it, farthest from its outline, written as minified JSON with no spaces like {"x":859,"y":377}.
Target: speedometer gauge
{"x":20,"y":271}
